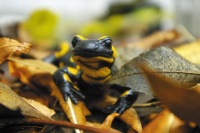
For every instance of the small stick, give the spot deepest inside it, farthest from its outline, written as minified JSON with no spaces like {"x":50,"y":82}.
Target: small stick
{"x":145,"y":105}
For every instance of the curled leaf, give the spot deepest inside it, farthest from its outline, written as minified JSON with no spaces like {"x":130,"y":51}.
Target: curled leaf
{"x":10,"y":46}
{"x":131,"y":118}
{"x":180,"y":101}
{"x":161,"y":124}
{"x":108,"y":121}
{"x":166,"y":122}
{"x":11,"y":100}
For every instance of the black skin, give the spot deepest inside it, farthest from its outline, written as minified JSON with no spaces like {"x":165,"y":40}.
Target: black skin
{"x":87,"y":49}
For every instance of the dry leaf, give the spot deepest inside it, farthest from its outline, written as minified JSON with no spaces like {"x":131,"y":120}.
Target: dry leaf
{"x":40,"y":73}
{"x":97,"y":125}
{"x":130,"y":117}
{"x":134,"y":49}
{"x":108,"y":121}
{"x":171,"y":77}
{"x":182,"y":102}
{"x":190,"y":51}
{"x":166,"y":122}
{"x":157,"y":39}
{"x":40,"y":107}
{"x":165,"y":62}
{"x":38,"y":64}
{"x":10,"y":46}
{"x":161,"y":124}
{"x":11,"y":100}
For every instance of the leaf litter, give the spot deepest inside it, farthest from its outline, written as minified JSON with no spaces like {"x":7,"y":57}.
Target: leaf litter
{"x":160,"y":73}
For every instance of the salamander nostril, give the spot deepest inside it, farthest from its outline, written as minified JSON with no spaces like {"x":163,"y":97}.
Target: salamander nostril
{"x":75,"y":40}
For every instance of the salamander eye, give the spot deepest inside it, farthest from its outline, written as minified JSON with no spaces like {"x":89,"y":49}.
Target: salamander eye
{"x":75,"y":40}
{"x":108,"y":43}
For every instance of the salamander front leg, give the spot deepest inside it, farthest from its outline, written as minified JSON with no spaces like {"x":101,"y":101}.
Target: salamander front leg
{"x":123,"y":103}
{"x":64,"y":83}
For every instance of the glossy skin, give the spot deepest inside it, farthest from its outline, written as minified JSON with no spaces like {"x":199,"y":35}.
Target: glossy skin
{"x":95,"y":59}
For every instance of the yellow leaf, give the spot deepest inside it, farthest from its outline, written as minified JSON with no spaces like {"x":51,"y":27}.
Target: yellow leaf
{"x":190,"y":51}
{"x":36,"y":64}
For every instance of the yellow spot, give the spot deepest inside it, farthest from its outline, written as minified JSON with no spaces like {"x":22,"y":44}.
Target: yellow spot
{"x":75,"y":87}
{"x":77,"y":67}
{"x":102,"y":37}
{"x":114,"y":52}
{"x":125,"y":93}
{"x":71,"y":59}
{"x":67,"y":78}
{"x":72,"y":70}
{"x":80,"y":37}
{"x":93,"y":81}
{"x":102,"y":72}
{"x":64,"y":49}
{"x":61,"y":64}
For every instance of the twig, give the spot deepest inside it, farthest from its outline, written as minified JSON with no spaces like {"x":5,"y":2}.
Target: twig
{"x":60,"y":123}
{"x":145,"y":105}
{"x":73,"y":114}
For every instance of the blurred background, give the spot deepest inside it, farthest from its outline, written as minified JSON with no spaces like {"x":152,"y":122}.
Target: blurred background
{"x":47,"y":23}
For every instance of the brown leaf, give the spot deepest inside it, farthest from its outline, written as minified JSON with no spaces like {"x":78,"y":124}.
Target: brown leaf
{"x":181,"y":101}
{"x":134,"y":49}
{"x":130,"y":117}
{"x":166,"y":122}
{"x":108,"y":121}
{"x":40,"y":107}
{"x":161,"y":124}
{"x":10,"y":46}
{"x":38,"y":64}
{"x":40,"y":73}
{"x":157,"y":39}
{"x":99,"y":126}
{"x":11,"y":100}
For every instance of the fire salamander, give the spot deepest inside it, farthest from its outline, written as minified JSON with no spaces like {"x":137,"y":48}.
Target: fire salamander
{"x":94,"y":60}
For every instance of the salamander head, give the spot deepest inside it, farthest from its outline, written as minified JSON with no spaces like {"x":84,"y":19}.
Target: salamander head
{"x":93,"y":53}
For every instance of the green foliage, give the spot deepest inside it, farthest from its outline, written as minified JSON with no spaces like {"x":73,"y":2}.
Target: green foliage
{"x":118,"y":24}
{"x":109,"y":27}
{"x":41,"y":24}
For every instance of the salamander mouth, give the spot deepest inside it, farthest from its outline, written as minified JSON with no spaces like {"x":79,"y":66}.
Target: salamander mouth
{"x":93,"y":62}
{"x":90,"y":64}
{"x":92,"y":54}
